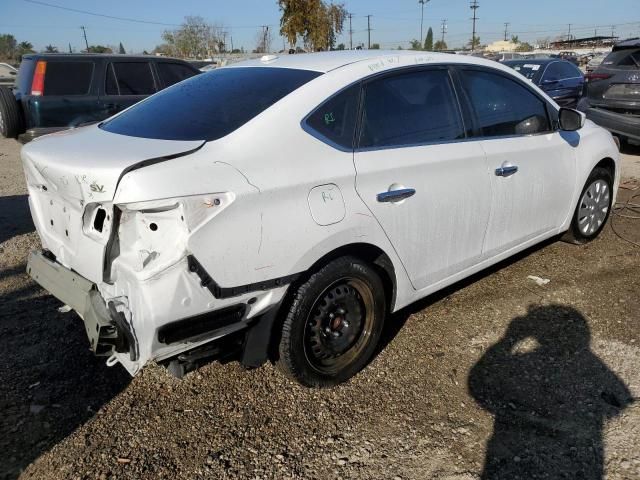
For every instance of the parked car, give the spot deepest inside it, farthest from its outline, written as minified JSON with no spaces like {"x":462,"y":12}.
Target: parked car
{"x":560,"y":79}
{"x":612,"y":97}
{"x":570,"y":57}
{"x":297,"y":201}
{"x":7,"y":75}
{"x":505,"y":56}
{"x":55,"y":92}
{"x":595,"y":62}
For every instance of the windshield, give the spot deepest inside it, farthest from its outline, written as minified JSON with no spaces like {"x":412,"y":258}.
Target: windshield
{"x":531,"y":71}
{"x":209,"y":106}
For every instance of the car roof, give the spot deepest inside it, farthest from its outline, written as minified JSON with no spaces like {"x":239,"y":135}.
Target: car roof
{"x":534,"y":61}
{"x":327,"y":61}
{"x":631,"y":43}
{"x":75,"y":56}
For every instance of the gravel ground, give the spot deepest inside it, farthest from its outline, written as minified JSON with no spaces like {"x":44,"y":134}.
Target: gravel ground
{"x":497,"y":377}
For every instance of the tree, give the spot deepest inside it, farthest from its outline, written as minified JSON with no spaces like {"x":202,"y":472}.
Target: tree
{"x":515,"y":39}
{"x":22,"y":49}
{"x":428,"y":42}
{"x":121,"y":49}
{"x":375,"y":46}
{"x":194,"y":39}
{"x":50,"y":49}
{"x":99,"y":49}
{"x":416,"y":45}
{"x":524,"y":47}
{"x":8,"y":46}
{"x":341,"y":46}
{"x":315,"y":21}
{"x":474,"y":43}
{"x":440,"y":45}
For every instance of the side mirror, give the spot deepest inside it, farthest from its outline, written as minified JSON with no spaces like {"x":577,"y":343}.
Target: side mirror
{"x":571,"y":120}
{"x":13,"y":73}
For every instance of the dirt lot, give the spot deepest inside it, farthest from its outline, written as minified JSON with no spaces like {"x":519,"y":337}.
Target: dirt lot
{"x":497,"y":375}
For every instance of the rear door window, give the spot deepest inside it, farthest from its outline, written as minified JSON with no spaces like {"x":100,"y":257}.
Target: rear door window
{"x":172,"y":73}
{"x":335,"y":120}
{"x":410,"y":109}
{"x":503,"y":107}
{"x":129,"y":78}
{"x":68,"y":78}
{"x":208,"y":107}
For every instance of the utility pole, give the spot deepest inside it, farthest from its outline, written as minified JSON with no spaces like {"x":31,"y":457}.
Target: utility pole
{"x":506,"y":31}
{"x":444,"y":29}
{"x":369,"y":32}
{"x":265,"y":32}
{"x":350,"y":32}
{"x":70,"y":51}
{"x":474,"y":7}
{"x":422,"y":2}
{"x":231,"y":38}
{"x":613,"y":32}
{"x":84,"y":32}
{"x":569,"y":34}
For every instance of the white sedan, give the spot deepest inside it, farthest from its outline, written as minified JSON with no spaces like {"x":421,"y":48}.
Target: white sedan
{"x":297,"y":201}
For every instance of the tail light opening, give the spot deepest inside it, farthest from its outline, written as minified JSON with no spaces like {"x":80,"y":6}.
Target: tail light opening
{"x":37,"y":85}
{"x":592,"y":77}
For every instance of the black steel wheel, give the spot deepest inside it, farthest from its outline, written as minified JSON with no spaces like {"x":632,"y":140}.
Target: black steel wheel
{"x":334,"y":324}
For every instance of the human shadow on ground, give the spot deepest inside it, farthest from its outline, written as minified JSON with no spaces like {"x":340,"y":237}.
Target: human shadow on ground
{"x":15,"y":218}
{"x":550,"y":396}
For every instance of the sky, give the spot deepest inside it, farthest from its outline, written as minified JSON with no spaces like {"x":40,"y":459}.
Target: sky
{"x":393,"y":22}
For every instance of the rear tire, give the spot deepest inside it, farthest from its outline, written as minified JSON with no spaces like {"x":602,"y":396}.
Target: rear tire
{"x":11,"y":124}
{"x":593,"y":209}
{"x":333,"y":324}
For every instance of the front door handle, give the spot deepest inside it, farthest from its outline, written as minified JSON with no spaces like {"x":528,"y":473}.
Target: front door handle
{"x":506,"y":171}
{"x":396,"y":195}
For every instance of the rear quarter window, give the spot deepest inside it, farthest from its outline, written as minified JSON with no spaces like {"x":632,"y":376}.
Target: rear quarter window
{"x":172,"y":73}
{"x":68,"y":78}
{"x":209,"y":106}
{"x":129,"y":78}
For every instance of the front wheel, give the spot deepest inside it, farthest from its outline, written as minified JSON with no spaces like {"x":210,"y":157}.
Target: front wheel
{"x":334,"y":324}
{"x":594,"y":207}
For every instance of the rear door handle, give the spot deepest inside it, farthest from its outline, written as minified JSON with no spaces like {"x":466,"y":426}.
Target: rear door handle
{"x":506,"y":171}
{"x":396,"y":195}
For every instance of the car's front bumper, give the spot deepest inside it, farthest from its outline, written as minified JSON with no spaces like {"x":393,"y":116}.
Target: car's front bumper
{"x":622,"y":124}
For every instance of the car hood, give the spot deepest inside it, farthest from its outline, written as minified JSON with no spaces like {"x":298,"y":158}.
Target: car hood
{"x":86,"y":164}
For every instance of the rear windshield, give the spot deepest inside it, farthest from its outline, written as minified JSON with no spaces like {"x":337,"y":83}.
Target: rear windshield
{"x":623,"y":58}
{"x":209,"y":106}
{"x":532,"y":71}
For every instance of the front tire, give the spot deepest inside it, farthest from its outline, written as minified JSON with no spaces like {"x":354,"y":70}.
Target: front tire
{"x":333,"y":324}
{"x":594,"y":207}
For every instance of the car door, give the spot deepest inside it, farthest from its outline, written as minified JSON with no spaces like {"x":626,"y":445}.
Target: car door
{"x":126,"y":82}
{"x":532,"y":165}
{"x":428,"y":188}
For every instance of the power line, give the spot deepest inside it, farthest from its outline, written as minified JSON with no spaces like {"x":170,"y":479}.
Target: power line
{"x":125,"y":19}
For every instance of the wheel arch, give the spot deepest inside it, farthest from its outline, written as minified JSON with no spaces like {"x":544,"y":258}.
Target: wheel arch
{"x":607,"y":163}
{"x":371,"y":254}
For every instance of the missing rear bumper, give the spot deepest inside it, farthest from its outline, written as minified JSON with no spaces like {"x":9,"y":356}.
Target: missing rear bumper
{"x":107,"y":329}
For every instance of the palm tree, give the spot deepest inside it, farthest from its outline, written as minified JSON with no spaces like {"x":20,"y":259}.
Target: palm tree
{"x":50,"y":49}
